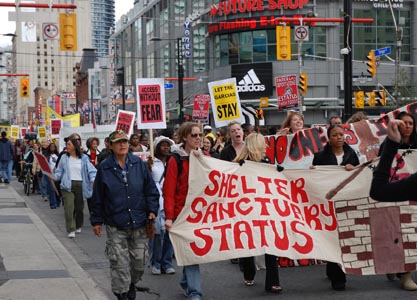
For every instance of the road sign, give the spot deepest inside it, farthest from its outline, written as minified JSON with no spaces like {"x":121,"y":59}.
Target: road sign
{"x":301,"y":33}
{"x":382,"y":51}
{"x":169,"y":86}
{"x":362,"y":78}
{"x":50,"y":31}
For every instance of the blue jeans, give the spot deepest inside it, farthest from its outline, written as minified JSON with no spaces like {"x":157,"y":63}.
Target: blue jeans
{"x":191,"y":280}
{"x":162,"y":251}
{"x":42,"y":185}
{"x":6,"y":168}
{"x":46,"y":182}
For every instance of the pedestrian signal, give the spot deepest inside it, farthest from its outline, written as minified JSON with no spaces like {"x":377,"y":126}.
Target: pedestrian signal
{"x":24,"y":87}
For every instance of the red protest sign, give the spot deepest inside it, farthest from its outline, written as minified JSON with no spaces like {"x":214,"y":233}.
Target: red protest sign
{"x":56,"y":125}
{"x":43,"y":164}
{"x":150,"y":103}
{"x":125,"y":120}
{"x":201,"y":107}
{"x":287,"y":92}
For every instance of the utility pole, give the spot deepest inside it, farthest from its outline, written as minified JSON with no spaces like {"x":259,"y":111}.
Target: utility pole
{"x":347,"y":8}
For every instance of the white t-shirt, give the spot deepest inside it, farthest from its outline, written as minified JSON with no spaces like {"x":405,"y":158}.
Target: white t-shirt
{"x":75,"y":168}
{"x":339,"y":158}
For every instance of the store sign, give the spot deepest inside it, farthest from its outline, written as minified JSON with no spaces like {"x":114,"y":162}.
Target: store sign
{"x":225,"y":8}
{"x":384,"y":3}
{"x":253,"y":80}
{"x":252,"y":23}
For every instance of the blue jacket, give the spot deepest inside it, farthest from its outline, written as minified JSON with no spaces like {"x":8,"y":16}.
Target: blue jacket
{"x":123,"y":204}
{"x":88,"y":174}
{"x":6,"y":150}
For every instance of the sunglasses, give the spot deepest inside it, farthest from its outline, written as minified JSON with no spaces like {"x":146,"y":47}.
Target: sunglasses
{"x":194,"y":135}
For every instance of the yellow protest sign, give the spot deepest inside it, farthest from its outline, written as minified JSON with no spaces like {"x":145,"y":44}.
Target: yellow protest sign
{"x":42,"y":132}
{"x":73,"y":120}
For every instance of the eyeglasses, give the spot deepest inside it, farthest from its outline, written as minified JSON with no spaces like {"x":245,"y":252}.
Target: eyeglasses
{"x":194,"y":135}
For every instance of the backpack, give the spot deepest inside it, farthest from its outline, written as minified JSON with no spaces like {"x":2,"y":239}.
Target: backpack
{"x":178,"y":159}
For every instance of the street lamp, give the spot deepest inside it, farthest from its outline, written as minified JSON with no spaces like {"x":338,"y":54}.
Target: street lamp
{"x":180,"y":76}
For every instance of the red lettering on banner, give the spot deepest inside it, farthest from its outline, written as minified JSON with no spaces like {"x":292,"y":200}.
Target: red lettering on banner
{"x":281,"y":184}
{"x":281,"y":148}
{"x":312,"y":215}
{"x":261,"y":224}
{"x":332,"y":215}
{"x":224,"y":245}
{"x":308,"y":246}
{"x":212,"y":179}
{"x":240,"y":203}
{"x":282,"y":243}
{"x":350,"y":136}
{"x":298,"y":192}
{"x":193,"y":207}
{"x":237,"y":232}
{"x":208,"y":242}
{"x":266,"y":182}
{"x":245,"y":189}
{"x":381,"y":125}
{"x":263,"y":202}
{"x":296,"y":211}
{"x":284,"y":213}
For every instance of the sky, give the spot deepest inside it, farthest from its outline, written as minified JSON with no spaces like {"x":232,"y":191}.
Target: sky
{"x":122,"y":7}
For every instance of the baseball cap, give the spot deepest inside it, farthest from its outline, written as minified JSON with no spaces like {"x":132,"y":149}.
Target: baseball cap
{"x":207,"y":127}
{"x":118,"y":135}
{"x":161,"y":139}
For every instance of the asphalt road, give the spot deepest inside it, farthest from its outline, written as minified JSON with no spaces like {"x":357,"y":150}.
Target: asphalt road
{"x":220,"y":280}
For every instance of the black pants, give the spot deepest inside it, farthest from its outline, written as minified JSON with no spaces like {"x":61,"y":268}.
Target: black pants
{"x":335,"y":273}
{"x":272,"y":275}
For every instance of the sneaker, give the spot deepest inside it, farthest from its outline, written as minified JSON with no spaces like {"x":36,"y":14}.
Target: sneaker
{"x":45,"y":198}
{"x":170,"y":271}
{"x":78,"y":230}
{"x":6,"y":181}
{"x":156,"y":271}
{"x":71,"y":235}
{"x":185,"y":291}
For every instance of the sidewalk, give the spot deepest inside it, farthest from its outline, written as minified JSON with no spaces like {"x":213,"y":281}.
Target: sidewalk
{"x":34,"y":264}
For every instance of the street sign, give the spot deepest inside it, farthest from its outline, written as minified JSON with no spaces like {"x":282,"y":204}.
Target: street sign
{"x":362,"y":78}
{"x":168,"y":85}
{"x":301,"y":33}
{"x":50,"y":31}
{"x":382,"y":51}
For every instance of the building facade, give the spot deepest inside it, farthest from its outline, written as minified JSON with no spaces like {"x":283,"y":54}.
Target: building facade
{"x":102,"y":22}
{"x":238,"y":39}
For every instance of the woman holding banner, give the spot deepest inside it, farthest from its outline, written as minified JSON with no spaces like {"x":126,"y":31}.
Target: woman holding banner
{"x":175,"y":189}
{"x":336,"y":152}
{"x":255,"y":150}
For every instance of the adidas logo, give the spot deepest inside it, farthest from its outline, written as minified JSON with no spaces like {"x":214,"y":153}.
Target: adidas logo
{"x":250,"y":83}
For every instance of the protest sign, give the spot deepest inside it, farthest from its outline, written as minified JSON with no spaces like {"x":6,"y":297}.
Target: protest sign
{"x":235,"y":210}
{"x":151,"y":103}
{"x":225,"y":102}
{"x":14,"y":134}
{"x":43,"y":164}
{"x":125,"y":120}
{"x":67,"y":121}
{"x":23,"y":131}
{"x":287,"y":91}
{"x":201,"y":108}
{"x":42,"y":132}
{"x":56,"y":125}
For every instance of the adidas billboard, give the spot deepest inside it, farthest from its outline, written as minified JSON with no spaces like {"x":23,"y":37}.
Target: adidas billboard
{"x":253,"y":80}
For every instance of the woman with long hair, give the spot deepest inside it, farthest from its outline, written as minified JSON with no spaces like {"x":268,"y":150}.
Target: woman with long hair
{"x":175,"y":189}
{"x":336,"y":152}
{"x":255,"y":150}
{"x":293,"y":122}
{"x":77,"y":175}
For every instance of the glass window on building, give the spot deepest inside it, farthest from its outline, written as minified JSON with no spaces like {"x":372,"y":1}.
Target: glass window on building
{"x":259,"y":45}
{"x":199,"y":49}
{"x":165,"y":61}
{"x":151,"y":72}
{"x":179,"y":11}
{"x":150,"y":25}
{"x":164,"y":17}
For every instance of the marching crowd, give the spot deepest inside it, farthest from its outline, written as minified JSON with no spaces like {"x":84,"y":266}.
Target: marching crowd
{"x":138,"y":201}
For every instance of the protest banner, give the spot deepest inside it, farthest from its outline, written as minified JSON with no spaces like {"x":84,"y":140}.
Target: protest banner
{"x":43,"y":164}
{"x":55,"y":127}
{"x":201,"y":108}
{"x":235,"y":210}
{"x":287,"y":92}
{"x":67,"y":121}
{"x":14,"y":132}
{"x":125,"y":120}
{"x":225,"y":102}
{"x":151,"y":103}
{"x":297,"y":150}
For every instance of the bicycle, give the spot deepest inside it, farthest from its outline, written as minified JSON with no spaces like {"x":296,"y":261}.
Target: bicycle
{"x":27,"y":181}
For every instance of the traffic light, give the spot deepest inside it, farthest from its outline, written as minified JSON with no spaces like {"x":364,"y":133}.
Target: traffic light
{"x":371,"y":63}
{"x":283,"y":36}
{"x":359,"y":99}
{"x":382,"y":98}
{"x":371,"y":98}
{"x":68,"y":32}
{"x":24,"y":87}
{"x":302,"y":84}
